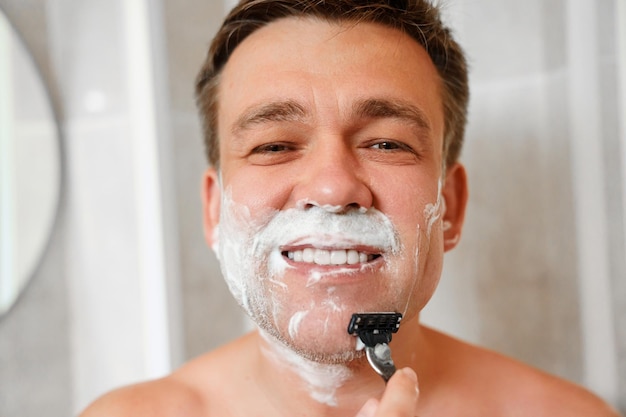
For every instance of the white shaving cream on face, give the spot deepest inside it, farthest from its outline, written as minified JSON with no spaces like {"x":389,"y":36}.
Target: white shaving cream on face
{"x":434,"y":212}
{"x":294,"y":323}
{"x":322,"y":380}
{"x":251,"y":249}
{"x":249,"y":246}
{"x":304,"y":315}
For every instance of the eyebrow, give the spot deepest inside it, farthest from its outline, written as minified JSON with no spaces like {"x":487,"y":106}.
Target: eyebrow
{"x":381,"y":108}
{"x":279,"y":111}
{"x":370,"y":108}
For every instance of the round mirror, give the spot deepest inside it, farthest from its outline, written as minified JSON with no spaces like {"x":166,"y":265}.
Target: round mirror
{"x":30,"y":167}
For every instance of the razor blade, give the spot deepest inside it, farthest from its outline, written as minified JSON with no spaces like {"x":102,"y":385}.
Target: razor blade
{"x":375,"y":331}
{"x":374,"y":328}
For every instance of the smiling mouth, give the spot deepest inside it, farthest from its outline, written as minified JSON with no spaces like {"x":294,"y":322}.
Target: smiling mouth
{"x":330,"y":257}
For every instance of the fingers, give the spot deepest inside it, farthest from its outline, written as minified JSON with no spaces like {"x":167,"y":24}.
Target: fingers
{"x":399,"y":399}
{"x":401,"y":395}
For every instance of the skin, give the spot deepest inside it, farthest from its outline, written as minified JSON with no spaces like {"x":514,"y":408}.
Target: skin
{"x":334,"y":157}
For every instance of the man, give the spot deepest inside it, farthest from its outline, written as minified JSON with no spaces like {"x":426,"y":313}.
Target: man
{"x":333,"y":129}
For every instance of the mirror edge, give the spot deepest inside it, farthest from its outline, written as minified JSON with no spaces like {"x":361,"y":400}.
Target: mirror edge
{"x":55,"y":112}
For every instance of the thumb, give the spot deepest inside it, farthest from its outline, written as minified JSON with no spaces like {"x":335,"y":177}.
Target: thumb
{"x":400,"y":396}
{"x":369,"y":408}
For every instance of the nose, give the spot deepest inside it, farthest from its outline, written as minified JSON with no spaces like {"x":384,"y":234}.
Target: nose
{"x":334,"y":179}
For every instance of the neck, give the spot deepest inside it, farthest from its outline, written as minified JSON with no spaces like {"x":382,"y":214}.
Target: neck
{"x":298,"y":386}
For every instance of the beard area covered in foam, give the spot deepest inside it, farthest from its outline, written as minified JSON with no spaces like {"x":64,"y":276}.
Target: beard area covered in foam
{"x":258,"y":250}
{"x":250,"y":249}
{"x":249,"y":246}
{"x":322,"y":380}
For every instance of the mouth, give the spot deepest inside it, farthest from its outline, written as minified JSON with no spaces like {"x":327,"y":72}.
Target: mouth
{"x":330,"y":257}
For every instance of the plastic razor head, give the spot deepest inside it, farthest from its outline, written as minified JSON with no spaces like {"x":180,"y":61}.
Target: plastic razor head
{"x":374,"y":328}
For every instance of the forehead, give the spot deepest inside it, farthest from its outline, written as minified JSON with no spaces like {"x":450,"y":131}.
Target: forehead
{"x":317,"y":62}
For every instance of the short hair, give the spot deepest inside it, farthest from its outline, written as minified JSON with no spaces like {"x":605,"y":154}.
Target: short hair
{"x":419,"y":19}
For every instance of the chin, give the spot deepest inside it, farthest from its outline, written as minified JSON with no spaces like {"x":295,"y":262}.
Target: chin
{"x":322,"y":340}
{"x":344,"y":357}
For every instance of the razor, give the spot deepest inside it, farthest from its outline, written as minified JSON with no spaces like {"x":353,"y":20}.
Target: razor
{"x":374,"y":331}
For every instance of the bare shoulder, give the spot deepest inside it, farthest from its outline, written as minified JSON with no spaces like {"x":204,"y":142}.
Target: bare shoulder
{"x":553,"y":396}
{"x":506,"y":386}
{"x":204,"y":386}
{"x":163,"y":397}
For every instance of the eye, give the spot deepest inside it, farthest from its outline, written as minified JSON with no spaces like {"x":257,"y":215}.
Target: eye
{"x":391,"y":151}
{"x":272,"y":148}
{"x":386,"y":145}
{"x":273,"y":153}
{"x":392,"y":146}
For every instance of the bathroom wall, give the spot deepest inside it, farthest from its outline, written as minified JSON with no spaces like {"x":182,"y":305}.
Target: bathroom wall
{"x":540,"y":270}
{"x":539,"y":273}
{"x":206,"y":298}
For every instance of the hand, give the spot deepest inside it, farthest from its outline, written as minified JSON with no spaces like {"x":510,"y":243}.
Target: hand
{"x":399,"y":399}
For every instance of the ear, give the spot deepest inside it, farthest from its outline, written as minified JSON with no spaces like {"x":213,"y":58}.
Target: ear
{"x":455,"y":197}
{"x":211,"y":201}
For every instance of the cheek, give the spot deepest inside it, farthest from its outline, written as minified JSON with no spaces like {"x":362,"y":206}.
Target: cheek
{"x":408,"y":212}
{"x":259,"y":190}
{"x":429,"y":263}
{"x":405,"y":194}
{"x":417,"y":214}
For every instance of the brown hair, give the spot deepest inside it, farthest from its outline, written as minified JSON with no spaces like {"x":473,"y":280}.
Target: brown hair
{"x":417,"y":18}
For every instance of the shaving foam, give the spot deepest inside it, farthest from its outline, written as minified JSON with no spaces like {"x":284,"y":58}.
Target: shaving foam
{"x":433,"y":212}
{"x":249,"y":246}
{"x":321,"y":380}
{"x":294,"y":322}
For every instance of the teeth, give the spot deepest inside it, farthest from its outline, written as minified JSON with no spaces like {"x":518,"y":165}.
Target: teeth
{"x":338,"y":257}
{"x":332,"y":257}
{"x":322,"y":257}
{"x":353,"y":257}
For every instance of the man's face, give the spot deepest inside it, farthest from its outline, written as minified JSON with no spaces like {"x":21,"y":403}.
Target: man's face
{"x":331,"y":194}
